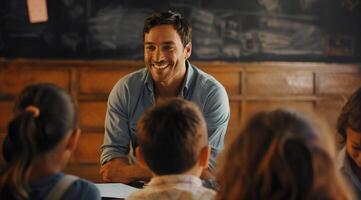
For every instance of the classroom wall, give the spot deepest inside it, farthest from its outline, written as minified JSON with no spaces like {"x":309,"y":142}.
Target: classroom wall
{"x":321,"y":88}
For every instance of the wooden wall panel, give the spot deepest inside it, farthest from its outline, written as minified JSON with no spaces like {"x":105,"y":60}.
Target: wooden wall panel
{"x":92,"y":114}
{"x":230,"y":80}
{"x":99,"y":81}
{"x":87,"y":171}
{"x":235,"y":108}
{"x":2,"y":136}
{"x":329,"y":109}
{"x":251,"y":87}
{"x":14,"y":80}
{"x":338,"y":83}
{"x":88,"y":149}
{"x":234,"y":121}
{"x":257,"y":106}
{"x":6,"y":114}
{"x":280,"y":83}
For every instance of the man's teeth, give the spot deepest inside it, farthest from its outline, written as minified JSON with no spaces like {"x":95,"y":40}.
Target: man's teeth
{"x":160,"y":66}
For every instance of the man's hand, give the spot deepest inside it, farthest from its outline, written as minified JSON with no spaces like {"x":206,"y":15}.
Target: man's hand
{"x":119,"y":170}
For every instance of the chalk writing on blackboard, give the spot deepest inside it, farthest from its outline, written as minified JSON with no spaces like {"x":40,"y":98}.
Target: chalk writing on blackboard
{"x":222,"y":30}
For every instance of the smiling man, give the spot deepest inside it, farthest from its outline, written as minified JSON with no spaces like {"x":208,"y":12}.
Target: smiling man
{"x":168,"y":73}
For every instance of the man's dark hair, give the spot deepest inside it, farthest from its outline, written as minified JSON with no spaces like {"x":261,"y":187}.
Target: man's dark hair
{"x":171,"y":135}
{"x":350,"y":116}
{"x":179,"y":23}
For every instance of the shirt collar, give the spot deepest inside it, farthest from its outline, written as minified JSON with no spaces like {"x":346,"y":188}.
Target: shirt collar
{"x":148,"y":81}
{"x":175,"y":179}
{"x":343,"y":163}
{"x":188,"y":79}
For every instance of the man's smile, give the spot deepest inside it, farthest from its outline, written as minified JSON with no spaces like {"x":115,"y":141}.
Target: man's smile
{"x":160,"y":66}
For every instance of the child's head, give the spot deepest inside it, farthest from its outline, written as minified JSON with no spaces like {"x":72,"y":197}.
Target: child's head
{"x":279,"y":155}
{"x":349,"y":126}
{"x":172,"y":138}
{"x":45,"y":115}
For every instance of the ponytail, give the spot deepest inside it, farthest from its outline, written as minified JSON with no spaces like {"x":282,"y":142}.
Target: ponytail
{"x":45,"y":114}
{"x":14,"y":179}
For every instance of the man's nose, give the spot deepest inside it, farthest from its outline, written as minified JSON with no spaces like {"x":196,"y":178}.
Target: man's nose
{"x":158,"y":55}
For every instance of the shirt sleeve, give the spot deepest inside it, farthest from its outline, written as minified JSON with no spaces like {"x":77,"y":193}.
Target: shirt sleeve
{"x":217,"y":114}
{"x":116,"y":136}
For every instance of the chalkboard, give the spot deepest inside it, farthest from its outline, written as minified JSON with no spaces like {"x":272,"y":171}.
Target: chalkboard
{"x":231,"y":30}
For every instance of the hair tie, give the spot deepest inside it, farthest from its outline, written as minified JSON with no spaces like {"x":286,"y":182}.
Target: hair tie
{"x":33,"y":109}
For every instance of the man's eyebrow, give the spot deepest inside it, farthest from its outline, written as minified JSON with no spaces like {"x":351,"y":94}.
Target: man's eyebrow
{"x":170,"y":42}
{"x":163,"y":43}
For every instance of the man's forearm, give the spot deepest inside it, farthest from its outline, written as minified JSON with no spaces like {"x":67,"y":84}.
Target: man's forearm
{"x":119,"y":170}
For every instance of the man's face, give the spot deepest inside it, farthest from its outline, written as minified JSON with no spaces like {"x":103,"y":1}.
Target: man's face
{"x":353,"y":146}
{"x":164,"y":54}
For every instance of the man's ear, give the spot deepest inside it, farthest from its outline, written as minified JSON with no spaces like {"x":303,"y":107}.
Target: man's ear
{"x":73,"y":139}
{"x":188,"y":50}
{"x":140,"y":158}
{"x":204,"y":156}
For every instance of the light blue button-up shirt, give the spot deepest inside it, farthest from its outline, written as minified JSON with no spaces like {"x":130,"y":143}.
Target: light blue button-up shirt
{"x":134,"y":93}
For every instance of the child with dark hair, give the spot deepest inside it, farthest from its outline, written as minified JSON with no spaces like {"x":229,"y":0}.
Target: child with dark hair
{"x":38,"y":145}
{"x":278,"y":155}
{"x":349,"y":130}
{"x":172,"y":138}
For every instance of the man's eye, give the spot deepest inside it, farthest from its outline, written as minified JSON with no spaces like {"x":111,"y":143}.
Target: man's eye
{"x":358,"y":148}
{"x":150,"y":48}
{"x":168,"y":48}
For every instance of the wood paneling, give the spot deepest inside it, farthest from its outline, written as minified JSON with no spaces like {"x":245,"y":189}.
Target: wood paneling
{"x":329,"y":109}
{"x":338,"y":83}
{"x":280,"y":83}
{"x":251,"y":86}
{"x":230,"y":80}
{"x":99,"y":81}
{"x":6,"y":114}
{"x":88,"y":149}
{"x":2,"y":136}
{"x":87,"y":171}
{"x":257,"y":106}
{"x":235,"y":114}
{"x":92,"y":114}
{"x":14,"y":80}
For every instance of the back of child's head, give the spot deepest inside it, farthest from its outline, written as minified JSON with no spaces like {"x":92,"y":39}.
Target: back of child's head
{"x":279,"y":155}
{"x":350,"y":116}
{"x":44,"y":115}
{"x":171,"y":135}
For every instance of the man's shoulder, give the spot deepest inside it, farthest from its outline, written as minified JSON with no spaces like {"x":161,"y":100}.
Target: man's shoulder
{"x":205,"y":78}
{"x":132,"y":79}
{"x":205,"y":83}
{"x":136,"y":75}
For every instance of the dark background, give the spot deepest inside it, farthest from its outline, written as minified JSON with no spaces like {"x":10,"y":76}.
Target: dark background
{"x":232,"y":30}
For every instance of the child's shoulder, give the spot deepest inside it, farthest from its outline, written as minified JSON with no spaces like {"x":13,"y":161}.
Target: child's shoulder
{"x":82,"y":189}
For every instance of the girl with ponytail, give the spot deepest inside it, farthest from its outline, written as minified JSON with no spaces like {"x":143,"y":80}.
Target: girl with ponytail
{"x":38,"y":145}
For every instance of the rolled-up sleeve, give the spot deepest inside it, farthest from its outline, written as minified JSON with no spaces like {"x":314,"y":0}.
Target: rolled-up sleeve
{"x":116,"y":136}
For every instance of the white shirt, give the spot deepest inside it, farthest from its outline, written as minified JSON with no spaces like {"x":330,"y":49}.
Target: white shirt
{"x":174,"y":187}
